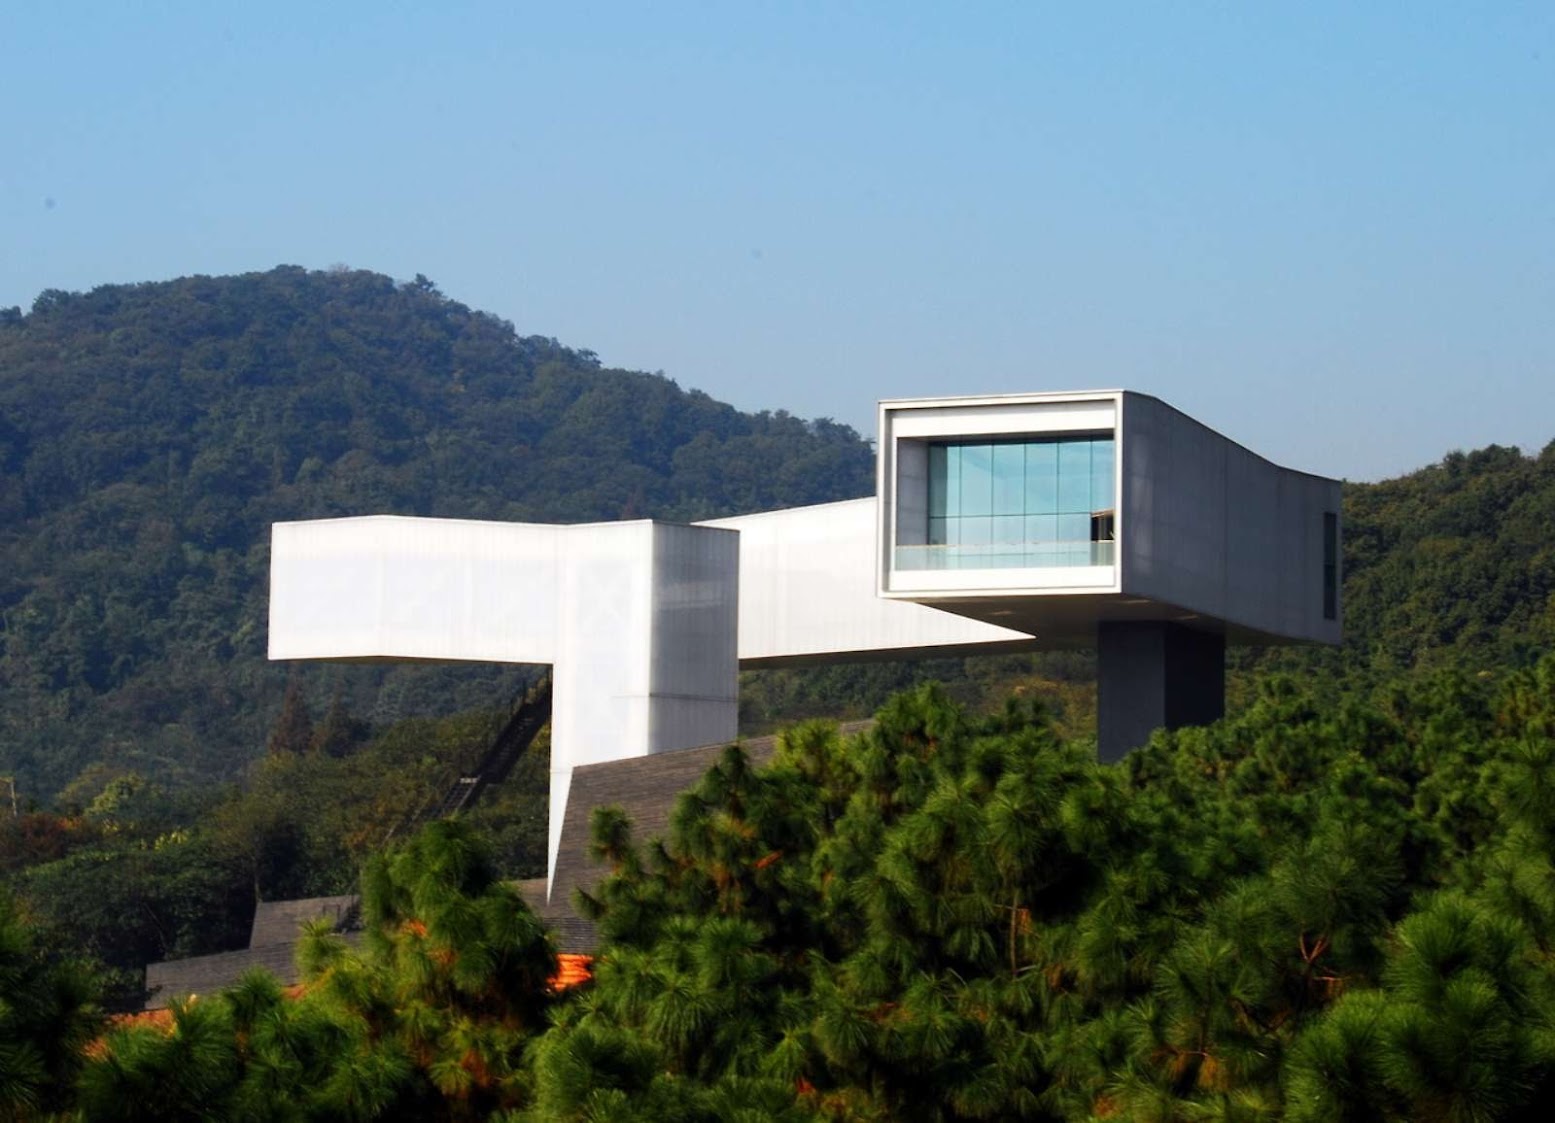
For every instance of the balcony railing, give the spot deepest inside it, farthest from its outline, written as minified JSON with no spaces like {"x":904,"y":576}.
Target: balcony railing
{"x":1006,"y":555}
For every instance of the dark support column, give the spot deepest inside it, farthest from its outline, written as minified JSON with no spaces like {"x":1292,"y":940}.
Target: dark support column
{"x":1151,"y":676}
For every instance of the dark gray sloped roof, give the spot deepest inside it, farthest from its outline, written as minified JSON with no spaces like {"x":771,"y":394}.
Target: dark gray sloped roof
{"x":272,"y":942}
{"x":646,"y":788}
{"x":280,"y":922}
{"x":533,"y":892}
{"x":211,"y":974}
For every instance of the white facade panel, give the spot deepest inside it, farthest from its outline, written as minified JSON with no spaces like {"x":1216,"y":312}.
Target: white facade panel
{"x":390,"y":587}
{"x":1255,"y":508}
{"x":807,"y":590}
{"x":1002,"y":582}
{"x":696,"y":620}
{"x":605,"y":601}
{"x":933,"y":419}
{"x":1175,"y":508}
{"x":911,"y":485}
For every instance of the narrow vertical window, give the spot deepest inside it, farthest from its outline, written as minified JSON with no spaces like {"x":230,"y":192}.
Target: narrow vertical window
{"x":1330,"y":565}
{"x":1009,"y":479}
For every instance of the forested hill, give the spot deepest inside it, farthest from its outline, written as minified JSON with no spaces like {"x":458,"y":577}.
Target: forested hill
{"x":1455,"y":563}
{"x":1451,"y":566}
{"x":149,"y":435}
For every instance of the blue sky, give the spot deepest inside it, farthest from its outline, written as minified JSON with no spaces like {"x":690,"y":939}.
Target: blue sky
{"x":1326,"y":229}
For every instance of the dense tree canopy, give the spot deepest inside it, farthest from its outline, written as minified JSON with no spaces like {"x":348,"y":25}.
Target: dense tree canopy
{"x":48,"y":1017}
{"x":1338,"y":903}
{"x":1305,"y":912}
{"x":127,"y":872}
{"x":150,"y":434}
{"x":428,"y":1020}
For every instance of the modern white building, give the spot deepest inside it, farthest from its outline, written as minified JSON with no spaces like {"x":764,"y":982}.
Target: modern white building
{"x":1006,"y":523}
{"x":1107,"y":519}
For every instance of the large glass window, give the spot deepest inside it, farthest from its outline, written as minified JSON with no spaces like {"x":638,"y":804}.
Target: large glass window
{"x":1003,"y":504}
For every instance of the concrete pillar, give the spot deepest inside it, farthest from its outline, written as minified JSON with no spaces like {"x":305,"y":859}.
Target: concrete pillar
{"x":1154,"y":675}
{"x":647,"y":647}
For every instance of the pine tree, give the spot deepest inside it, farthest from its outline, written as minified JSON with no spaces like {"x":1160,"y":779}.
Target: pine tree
{"x":48,"y":1015}
{"x":451,"y":983}
{"x":339,"y":732}
{"x":429,"y":1020}
{"x":293,"y":729}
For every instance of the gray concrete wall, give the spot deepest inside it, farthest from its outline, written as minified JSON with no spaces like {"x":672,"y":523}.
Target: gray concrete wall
{"x":694,"y":692}
{"x":1154,"y":675}
{"x":912,"y":493}
{"x":1212,"y":528}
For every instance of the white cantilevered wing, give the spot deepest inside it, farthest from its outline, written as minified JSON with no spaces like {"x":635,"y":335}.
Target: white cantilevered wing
{"x":385,"y":587}
{"x":807,"y":593}
{"x":644,"y":623}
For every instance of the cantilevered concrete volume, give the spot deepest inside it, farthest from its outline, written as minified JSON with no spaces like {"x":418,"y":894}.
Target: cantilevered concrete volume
{"x":1104,"y":519}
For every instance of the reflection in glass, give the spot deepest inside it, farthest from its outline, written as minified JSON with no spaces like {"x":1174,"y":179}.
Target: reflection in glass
{"x":1074,"y":477}
{"x":1009,"y":479}
{"x":1016,"y":504}
{"x":1042,"y":478}
{"x":1101,"y":475}
{"x":976,"y":480}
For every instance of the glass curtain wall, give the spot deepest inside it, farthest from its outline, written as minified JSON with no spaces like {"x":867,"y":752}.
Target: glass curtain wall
{"x":1017,"y":504}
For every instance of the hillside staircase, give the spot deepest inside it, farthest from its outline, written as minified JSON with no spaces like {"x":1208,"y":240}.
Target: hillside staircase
{"x":528,"y":717}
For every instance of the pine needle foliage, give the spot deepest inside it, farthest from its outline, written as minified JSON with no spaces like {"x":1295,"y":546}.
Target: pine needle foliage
{"x":429,"y":1019}
{"x":48,"y":1015}
{"x":1318,"y":909}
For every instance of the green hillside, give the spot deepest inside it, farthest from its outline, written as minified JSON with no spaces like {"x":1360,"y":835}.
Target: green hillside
{"x":150,"y":434}
{"x":1453,"y":564}
{"x":1451,"y":567}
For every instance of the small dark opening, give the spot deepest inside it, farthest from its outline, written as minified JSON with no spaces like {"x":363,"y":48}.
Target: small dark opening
{"x":1330,"y":565}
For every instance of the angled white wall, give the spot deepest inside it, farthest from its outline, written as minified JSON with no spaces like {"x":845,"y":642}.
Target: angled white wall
{"x":807,"y":593}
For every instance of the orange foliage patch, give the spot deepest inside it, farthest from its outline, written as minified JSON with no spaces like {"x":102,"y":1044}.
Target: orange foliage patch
{"x":571,"y":971}
{"x":156,"y":1019}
